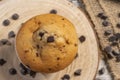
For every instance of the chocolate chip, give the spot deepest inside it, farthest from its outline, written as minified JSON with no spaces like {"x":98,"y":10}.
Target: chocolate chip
{"x":50,"y":39}
{"x":37,"y":54}
{"x":26,"y":51}
{"x":67,"y":41}
{"x":63,"y":19}
{"x":6,"y":22}
{"x":39,"y":23}
{"x":115,"y":53}
{"x":22,"y":66}
{"x":24,"y":71}
{"x":118,"y":58}
{"x":2,"y":62}
{"x":53,"y":11}
{"x":58,"y":58}
{"x":117,"y":35}
{"x":12,"y":71}
{"x":108,"y":49}
{"x":32,"y":74}
{"x":105,"y":23}
{"x":66,"y":77}
{"x":82,"y":39}
{"x":77,"y":72}
{"x":41,"y":34}
{"x":112,"y":38}
{"x":75,"y":45}
{"x":114,"y":44}
{"x":4,"y":41}
{"x":104,"y":17}
{"x":15,"y":16}
{"x":107,"y":32}
{"x":118,"y":25}
{"x":101,"y":71}
{"x":100,"y":15}
{"x":11,"y":34}
{"x":109,"y":56}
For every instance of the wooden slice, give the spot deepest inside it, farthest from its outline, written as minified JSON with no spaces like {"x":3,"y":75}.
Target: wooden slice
{"x":87,"y":59}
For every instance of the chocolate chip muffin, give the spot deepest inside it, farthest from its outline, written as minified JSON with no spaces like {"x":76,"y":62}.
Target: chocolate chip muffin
{"x":47,"y":43}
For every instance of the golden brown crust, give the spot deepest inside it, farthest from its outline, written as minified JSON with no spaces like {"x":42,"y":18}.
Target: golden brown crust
{"x":53,"y":49}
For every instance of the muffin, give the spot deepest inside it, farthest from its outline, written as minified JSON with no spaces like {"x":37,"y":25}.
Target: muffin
{"x":47,"y":43}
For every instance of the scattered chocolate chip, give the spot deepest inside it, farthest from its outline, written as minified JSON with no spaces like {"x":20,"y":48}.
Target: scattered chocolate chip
{"x":41,"y":34}
{"x":77,"y":72}
{"x":118,"y":58}
{"x":24,"y":71}
{"x":82,"y":39}
{"x":101,"y":71}
{"x":112,"y":38}
{"x":115,"y":53}
{"x":107,"y":32}
{"x":6,"y":22}
{"x":66,"y":77}
{"x":11,"y":34}
{"x":50,"y":39}
{"x":12,"y":71}
{"x":108,"y":49}
{"x":114,"y":44}
{"x":32,"y":73}
{"x":4,"y":41}
{"x":53,"y":11}
{"x":104,"y":17}
{"x":100,"y":15}
{"x":117,"y":35}
{"x":105,"y":23}
{"x":22,"y":66}
{"x":109,"y":56}
{"x":76,"y":55}
{"x":2,"y":62}
{"x":118,"y":25}
{"x":15,"y":16}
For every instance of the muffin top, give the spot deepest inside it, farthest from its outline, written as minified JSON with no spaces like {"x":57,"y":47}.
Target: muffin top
{"x":47,"y":43}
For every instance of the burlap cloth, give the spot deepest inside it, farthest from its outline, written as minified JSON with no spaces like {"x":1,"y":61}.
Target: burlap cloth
{"x":105,"y":16}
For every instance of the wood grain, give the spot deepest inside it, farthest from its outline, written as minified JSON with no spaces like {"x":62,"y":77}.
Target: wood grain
{"x":88,"y":51}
